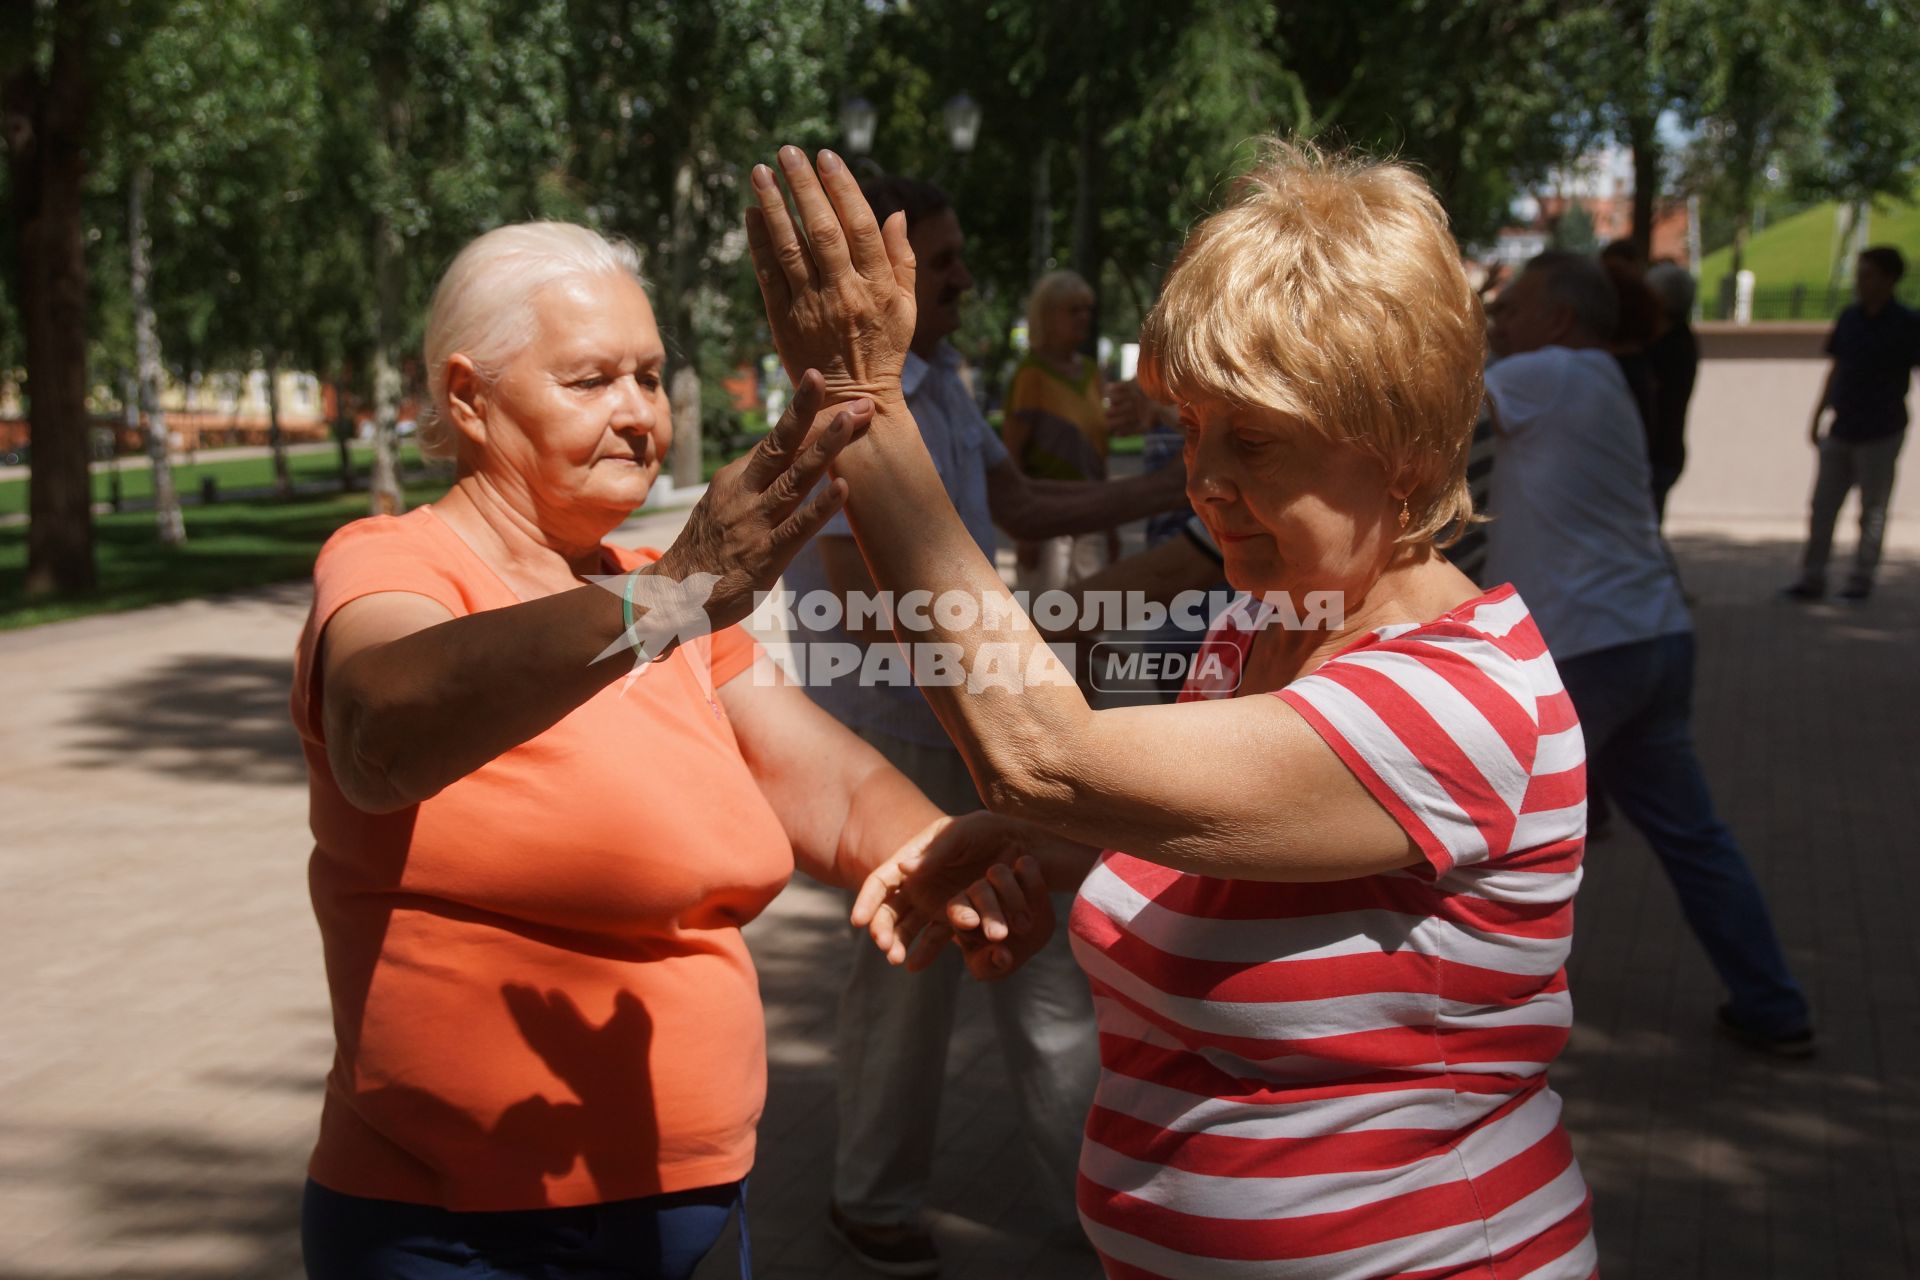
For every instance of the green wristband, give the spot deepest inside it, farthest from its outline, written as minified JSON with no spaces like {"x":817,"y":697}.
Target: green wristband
{"x":626,"y":614}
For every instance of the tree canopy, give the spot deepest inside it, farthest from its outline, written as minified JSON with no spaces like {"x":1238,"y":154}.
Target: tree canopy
{"x":314,"y":166}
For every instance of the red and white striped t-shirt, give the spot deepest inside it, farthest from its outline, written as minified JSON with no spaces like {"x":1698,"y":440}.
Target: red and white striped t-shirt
{"x":1348,"y":1079}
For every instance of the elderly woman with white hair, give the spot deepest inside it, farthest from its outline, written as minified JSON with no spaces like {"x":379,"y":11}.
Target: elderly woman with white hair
{"x":529,"y":874}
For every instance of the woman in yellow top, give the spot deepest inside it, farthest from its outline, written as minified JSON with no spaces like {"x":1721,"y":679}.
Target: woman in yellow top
{"x":1056,"y":423}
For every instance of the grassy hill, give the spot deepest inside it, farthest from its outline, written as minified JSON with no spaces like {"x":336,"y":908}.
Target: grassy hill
{"x":1797,"y":252}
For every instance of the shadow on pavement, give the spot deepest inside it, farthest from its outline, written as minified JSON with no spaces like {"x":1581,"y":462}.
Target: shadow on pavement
{"x":204,"y":717}
{"x":1706,"y":1160}
{"x":171,"y":1204}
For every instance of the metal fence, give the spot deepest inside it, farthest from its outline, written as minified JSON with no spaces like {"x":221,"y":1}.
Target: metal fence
{"x":1818,"y":302}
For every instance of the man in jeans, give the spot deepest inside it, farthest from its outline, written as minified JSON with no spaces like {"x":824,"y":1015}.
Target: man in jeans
{"x":893,"y":1025}
{"x":1574,"y":531}
{"x":1875,"y":345}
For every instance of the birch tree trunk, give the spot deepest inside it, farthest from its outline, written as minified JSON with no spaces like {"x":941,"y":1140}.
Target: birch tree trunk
{"x":276,"y":440}
{"x":167,"y":520}
{"x":683,"y":388}
{"x":384,"y":495}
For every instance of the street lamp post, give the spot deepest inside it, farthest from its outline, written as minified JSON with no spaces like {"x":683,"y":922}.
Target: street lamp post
{"x":963,"y":122}
{"x":857,"y":121}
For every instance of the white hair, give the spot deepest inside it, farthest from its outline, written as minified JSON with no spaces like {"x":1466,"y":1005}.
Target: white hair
{"x":483,"y":306}
{"x":1674,"y":283}
{"x":1052,"y":290}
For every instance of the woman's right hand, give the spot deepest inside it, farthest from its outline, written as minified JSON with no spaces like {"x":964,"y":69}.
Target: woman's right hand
{"x":840,"y":299}
{"x":755,"y":515}
{"x":975,"y":880}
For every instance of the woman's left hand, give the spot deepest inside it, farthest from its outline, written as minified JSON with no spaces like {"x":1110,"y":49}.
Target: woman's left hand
{"x":757,"y":511}
{"x":841,"y":299}
{"x":973,"y":879}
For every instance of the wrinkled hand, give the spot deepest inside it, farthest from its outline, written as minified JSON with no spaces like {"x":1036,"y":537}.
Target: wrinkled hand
{"x":839,"y":300}
{"x":756,"y":514}
{"x":971,"y":879}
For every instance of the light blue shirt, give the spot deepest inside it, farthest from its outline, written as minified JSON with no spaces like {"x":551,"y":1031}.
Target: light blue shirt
{"x":964,"y":450}
{"x":1573,"y":524}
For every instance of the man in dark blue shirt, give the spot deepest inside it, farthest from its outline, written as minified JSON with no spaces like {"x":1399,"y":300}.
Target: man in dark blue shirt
{"x":1875,"y":345}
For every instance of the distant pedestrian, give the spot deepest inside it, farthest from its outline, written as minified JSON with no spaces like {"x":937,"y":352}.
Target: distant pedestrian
{"x":1573,"y":530}
{"x":1875,"y":345}
{"x":1675,"y":356}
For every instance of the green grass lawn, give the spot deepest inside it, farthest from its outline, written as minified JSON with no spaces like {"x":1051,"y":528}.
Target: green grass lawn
{"x":1799,"y":251}
{"x":136,"y":479}
{"x":229,"y":546}
{"x":233,"y":544}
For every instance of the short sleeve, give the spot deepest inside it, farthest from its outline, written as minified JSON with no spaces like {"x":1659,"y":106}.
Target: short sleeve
{"x":1436,"y":729}
{"x":1522,"y":389}
{"x":731,"y":651}
{"x":367,"y":557}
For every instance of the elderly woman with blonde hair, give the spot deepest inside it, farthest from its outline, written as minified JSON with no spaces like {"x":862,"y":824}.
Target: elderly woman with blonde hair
{"x":1324,"y":901}
{"x":530,"y":873}
{"x":1054,"y":422}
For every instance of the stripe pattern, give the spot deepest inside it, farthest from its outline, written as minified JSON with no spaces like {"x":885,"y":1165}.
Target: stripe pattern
{"x":1348,"y":1079}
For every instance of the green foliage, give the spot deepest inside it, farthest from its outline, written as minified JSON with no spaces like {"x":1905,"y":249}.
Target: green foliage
{"x":1805,"y":249}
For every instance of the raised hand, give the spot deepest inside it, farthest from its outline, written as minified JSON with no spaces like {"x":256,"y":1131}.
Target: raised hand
{"x":840,"y":297}
{"x":972,"y":879}
{"x":756,"y":514}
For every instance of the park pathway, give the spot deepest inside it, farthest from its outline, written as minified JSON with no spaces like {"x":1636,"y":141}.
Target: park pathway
{"x":166,"y":1031}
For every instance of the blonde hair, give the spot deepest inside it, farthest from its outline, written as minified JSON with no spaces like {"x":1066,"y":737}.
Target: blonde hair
{"x":1049,"y":292}
{"x":483,"y":306}
{"x":1330,"y":289}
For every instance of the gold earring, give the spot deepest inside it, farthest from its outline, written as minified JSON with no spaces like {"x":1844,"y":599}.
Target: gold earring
{"x":1406,"y":515}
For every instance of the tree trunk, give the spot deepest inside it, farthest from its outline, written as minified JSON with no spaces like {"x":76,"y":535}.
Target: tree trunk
{"x":130,"y":425}
{"x":167,"y":520}
{"x":1088,"y":251}
{"x":383,"y":487}
{"x":684,"y":387}
{"x":1042,"y":248}
{"x":342,"y":428}
{"x":687,"y":457}
{"x":276,"y":439}
{"x":385,"y":497}
{"x":1645,"y":144}
{"x":45,"y":135}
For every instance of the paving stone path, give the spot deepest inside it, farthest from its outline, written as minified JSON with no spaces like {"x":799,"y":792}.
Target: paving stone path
{"x":163,"y":1025}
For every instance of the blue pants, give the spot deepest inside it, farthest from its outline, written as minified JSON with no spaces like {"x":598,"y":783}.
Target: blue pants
{"x":664,"y":1237}
{"x":1635,"y":703}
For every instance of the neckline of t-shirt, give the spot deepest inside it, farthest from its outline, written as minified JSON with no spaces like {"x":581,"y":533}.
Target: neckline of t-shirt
{"x":608,"y":552}
{"x":1458,"y":615}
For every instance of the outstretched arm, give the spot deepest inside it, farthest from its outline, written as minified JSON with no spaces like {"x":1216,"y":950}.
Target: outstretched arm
{"x":413,"y":698}
{"x":1193,"y":786}
{"x":1033,"y":509}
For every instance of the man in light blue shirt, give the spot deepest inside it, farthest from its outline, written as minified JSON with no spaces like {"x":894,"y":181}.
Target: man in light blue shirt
{"x":894,"y":1026}
{"x":1575,"y":531}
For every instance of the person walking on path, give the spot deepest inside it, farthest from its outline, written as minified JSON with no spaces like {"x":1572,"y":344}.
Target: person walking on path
{"x":1875,"y":345}
{"x":1573,"y":529}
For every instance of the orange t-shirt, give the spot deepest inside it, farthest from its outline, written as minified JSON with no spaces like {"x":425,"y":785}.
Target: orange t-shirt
{"x":540,"y":992}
